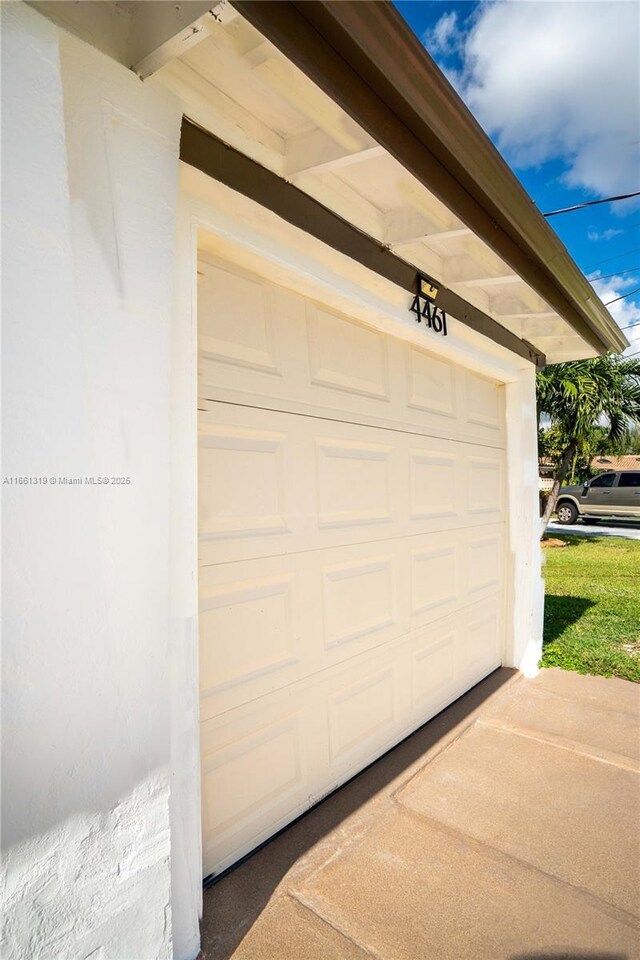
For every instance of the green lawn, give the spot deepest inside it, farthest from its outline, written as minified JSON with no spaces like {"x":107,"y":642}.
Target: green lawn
{"x":592,"y":606}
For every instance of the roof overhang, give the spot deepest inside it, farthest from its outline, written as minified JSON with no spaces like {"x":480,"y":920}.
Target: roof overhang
{"x":367,"y":59}
{"x":341,"y":101}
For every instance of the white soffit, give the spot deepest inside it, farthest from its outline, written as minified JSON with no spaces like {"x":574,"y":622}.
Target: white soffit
{"x":237,"y":84}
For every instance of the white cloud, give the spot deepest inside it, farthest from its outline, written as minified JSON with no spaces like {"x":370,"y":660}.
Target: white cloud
{"x":626,"y":313}
{"x":559,"y":79}
{"x":445,"y":37}
{"x":605,"y":235}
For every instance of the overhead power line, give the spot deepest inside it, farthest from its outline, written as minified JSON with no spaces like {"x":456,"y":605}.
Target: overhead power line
{"x":618,"y":256}
{"x":623,"y":297}
{"x":592,"y":203}
{"x":618,"y":273}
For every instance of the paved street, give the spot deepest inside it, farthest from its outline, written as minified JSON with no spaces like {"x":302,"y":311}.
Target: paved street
{"x":630,"y":529}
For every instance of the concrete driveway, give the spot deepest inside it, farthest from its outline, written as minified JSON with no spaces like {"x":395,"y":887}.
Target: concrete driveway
{"x":630,"y":531}
{"x":504,"y":829}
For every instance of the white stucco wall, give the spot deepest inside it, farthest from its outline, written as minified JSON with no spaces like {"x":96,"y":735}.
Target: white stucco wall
{"x":89,"y":193}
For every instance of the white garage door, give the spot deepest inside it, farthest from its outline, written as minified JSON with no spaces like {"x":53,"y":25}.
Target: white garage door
{"x":351,"y":513}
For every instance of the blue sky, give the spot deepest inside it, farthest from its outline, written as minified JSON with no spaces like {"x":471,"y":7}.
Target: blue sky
{"x":556,"y":85}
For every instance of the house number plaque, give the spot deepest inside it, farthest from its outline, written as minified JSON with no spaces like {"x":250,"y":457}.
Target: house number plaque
{"x":424,"y":307}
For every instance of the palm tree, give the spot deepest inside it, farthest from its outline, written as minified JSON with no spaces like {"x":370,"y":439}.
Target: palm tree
{"x":580,"y":395}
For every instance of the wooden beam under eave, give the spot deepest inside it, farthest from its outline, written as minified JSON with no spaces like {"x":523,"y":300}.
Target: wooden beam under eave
{"x":316,"y":152}
{"x":485,"y":281}
{"x":161,"y":32}
{"x":525,"y":316}
{"x":407,"y":225}
{"x":287,"y":82}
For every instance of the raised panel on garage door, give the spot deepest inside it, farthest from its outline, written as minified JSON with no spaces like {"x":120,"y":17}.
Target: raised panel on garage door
{"x":275,"y":482}
{"x":262,"y":344}
{"x":351,"y":530}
